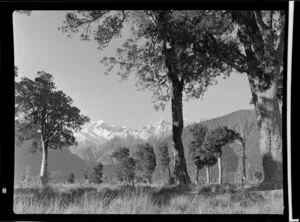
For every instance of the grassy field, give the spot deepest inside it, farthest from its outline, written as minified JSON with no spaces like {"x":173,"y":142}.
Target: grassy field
{"x":83,"y":198}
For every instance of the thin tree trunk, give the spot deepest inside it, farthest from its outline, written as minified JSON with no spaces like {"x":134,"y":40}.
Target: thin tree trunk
{"x":180,"y":169}
{"x":220,"y":170}
{"x":197,"y":175}
{"x":244,"y":162}
{"x":163,"y":176}
{"x":249,"y":171}
{"x":44,"y":166}
{"x":243,"y":178}
{"x":270,"y":132}
{"x":170,"y":174}
{"x":207,"y":174}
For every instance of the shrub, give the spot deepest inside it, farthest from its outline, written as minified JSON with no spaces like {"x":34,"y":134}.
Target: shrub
{"x":96,"y":175}
{"x":71,"y":178}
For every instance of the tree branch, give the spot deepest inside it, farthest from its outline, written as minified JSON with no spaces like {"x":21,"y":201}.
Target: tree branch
{"x":227,"y":60}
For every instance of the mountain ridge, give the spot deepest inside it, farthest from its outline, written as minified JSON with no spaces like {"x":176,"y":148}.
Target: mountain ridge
{"x":87,"y":154}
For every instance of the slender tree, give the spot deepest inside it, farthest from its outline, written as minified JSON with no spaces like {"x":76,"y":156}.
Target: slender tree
{"x":128,"y":169}
{"x":210,"y":161}
{"x":71,"y":178}
{"x":244,"y":131}
{"x":163,"y":53}
{"x":163,"y":157}
{"x":45,"y":115}
{"x":118,"y":156}
{"x":197,"y":154}
{"x":215,"y":140}
{"x":145,"y":160}
{"x":97,"y":174}
{"x":120,"y":153}
{"x":85,"y":174}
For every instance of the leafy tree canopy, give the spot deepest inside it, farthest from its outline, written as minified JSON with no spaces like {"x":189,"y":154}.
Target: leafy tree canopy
{"x":96,"y":175}
{"x":44,"y":113}
{"x":199,"y":155}
{"x":120,"y":154}
{"x":145,"y":159}
{"x":158,"y":40}
{"x":127,"y":169}
{"x":219,"y":137}
{"x":163,"y":154}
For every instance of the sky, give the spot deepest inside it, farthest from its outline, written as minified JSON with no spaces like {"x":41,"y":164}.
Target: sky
{"x":76,"y":68}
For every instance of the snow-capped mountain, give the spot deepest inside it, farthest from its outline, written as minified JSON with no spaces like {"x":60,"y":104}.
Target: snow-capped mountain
{"x":100,"y":132}
{"x":93,"y":139}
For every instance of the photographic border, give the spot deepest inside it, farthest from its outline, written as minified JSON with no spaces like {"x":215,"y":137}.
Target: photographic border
{"x":7,"y":98}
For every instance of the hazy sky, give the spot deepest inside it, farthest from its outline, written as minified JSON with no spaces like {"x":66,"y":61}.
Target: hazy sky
{"x":76,"y":68}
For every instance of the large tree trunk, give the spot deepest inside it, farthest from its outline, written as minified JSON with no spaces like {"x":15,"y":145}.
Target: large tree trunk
{"x":270,"y":131}
{"x":180,"y":169}
{"x":220,"y":170}
{"x":207,"y":174}
{"x":44,"y":166}
{"x":264,"y":60}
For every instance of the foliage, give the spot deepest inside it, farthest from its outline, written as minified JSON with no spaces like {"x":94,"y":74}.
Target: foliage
{"x":163,"y":154}
{"x":71,"y":178}
{"x":96,"y":175}
{"x":45,"y":114}
{"x":126,"y":169}
{"x":120,"y":153}
{"x":164,"y":53}
{"x":145,"y":160}
{"x":196,"y":152}
{"x":85,"y":174}
{"x":219,"y":137}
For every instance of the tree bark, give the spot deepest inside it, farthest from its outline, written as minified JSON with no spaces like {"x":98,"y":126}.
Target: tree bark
{"x":44,"y":166}
{"x":220,"y":170}
{"x":177,"y":84}
{"x":207,"y":175}
{"x":270,"y":131}
{"x":180,"y":169}
{"x":264,"y":59}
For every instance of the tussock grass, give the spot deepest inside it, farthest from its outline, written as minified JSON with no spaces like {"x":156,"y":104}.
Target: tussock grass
{"x":122,"y":199}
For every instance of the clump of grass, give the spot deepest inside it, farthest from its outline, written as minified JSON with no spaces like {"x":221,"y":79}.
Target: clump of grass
{"x":246,"y":198}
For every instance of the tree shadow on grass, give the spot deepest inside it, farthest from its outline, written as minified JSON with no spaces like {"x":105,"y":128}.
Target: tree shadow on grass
{"x":163,"y":196}
{"x":216,"y":189}
{"x":264,"y":187}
